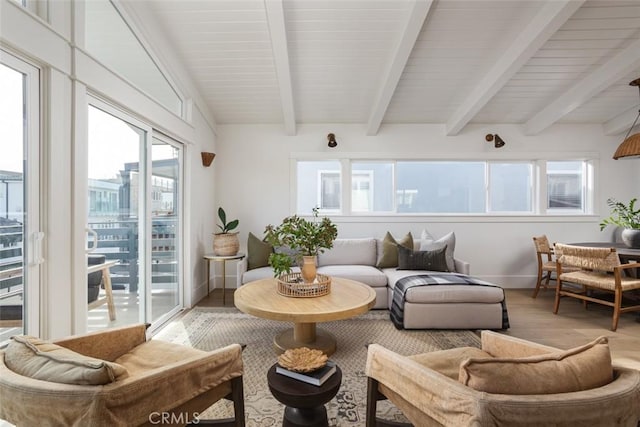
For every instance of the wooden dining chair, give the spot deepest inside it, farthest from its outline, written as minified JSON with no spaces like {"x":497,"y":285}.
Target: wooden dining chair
{"x":546,"y":263}
{"x":597,"y":269}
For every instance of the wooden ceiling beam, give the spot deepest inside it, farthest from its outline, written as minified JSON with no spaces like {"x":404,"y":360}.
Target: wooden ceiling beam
{"x":416,"y":17}
{"x":278,"y":34}
{"x":623,"y":63}
{"x":549,"y":20}
{"x":621,"y":123}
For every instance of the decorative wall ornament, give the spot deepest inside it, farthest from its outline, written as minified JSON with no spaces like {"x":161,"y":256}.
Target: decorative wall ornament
{"x":207,"y":158}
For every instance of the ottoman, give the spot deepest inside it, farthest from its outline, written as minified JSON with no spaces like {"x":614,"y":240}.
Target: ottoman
{"x":452,"y":307}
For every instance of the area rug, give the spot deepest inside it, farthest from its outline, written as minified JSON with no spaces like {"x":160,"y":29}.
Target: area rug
{"x":211,"y":328}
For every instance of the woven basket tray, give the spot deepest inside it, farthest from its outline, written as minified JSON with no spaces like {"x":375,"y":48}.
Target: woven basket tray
{"x":291,"y":285}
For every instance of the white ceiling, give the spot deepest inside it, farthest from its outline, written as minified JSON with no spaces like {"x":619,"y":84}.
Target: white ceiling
{"x":373,"y":62}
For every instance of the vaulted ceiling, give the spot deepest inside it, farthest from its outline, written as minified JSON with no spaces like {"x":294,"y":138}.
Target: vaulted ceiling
{"x":374,"y":62}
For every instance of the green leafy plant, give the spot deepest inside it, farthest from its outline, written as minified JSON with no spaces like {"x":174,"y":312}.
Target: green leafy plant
{"x":226,"y":226}
{"x":302,"y":237}
{"x":625,"y":216}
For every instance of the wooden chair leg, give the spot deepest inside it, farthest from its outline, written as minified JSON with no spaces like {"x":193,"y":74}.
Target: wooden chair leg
{"x":556,"y":305}
{"x":108,"y":289}
{"x":616,"y":309}
{"x":538,"y":282}
{"x":237,"y":397}
{"x":372,"y":402}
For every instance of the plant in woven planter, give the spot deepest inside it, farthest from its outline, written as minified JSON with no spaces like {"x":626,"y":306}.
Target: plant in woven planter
{"x":303,"y":238}
{"x":627,"y":217}
{"x":226,"y":243}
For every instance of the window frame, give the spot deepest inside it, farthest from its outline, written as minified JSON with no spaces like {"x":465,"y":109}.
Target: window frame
{"x":538,"y":186}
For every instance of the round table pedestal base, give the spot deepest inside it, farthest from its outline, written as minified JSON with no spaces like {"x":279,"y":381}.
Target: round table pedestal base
{"x":307,"y":417}
{"x":324,"y":341}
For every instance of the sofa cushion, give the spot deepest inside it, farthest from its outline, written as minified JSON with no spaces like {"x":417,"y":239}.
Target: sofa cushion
{"x":350,"y":251}
{"x":362,"y":273}
{"x":428,"y":242}
{"x":34,"y":358}
{"x":258,"y":252}
{"x":388,"y":253}
{"x":577,"y":369}
{"x":432,"y":260}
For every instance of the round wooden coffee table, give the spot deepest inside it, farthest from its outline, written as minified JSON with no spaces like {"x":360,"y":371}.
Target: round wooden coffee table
{"x":347,"y":298}
{"x":304,"y":402}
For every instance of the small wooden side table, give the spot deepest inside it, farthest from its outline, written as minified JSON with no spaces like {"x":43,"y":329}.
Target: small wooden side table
{"x":223,"y":259}
{"x":304,"y":402}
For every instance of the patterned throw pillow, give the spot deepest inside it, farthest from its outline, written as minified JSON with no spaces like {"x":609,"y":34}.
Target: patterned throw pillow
{"x":434,"y":260}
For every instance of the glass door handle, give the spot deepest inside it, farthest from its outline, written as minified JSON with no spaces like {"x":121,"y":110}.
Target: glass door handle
{"x":37,"y":248}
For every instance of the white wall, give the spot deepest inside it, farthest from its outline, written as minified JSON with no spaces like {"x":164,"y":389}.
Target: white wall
{"x":253,"y":173}
{"x":200,"y":209}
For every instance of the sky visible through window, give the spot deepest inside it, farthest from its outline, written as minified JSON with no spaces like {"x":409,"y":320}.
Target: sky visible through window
{"x":11,"y":124}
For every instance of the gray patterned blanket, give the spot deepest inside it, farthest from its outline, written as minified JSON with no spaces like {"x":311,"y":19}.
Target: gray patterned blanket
{"x":431,"y":279}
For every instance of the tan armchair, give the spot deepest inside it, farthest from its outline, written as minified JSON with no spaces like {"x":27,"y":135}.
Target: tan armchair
{"x":595,"y":269}
{"x":427,"y":390}
{"x":164,"y":383}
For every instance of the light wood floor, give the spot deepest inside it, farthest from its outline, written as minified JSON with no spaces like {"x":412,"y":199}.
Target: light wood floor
{"x":533,"y":319}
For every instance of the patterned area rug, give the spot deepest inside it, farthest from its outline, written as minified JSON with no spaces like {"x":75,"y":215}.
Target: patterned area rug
{"x":210,"y":328}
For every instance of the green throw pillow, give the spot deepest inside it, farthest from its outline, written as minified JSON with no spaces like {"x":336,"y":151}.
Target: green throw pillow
{"x":389,"y":257}
{"x":257,"y":252}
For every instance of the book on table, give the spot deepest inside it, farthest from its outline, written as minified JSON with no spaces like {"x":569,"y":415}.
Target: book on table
{"x":317,"y":377}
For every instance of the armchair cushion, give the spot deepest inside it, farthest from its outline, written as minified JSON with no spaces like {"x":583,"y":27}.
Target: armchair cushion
{"x":581,"y":368}
{"x":34,"y":358}
{"x":447,"y":362}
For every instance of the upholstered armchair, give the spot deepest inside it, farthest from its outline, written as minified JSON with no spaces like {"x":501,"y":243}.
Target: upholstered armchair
{"x":115,"y":378}
{"x":508,"y":382}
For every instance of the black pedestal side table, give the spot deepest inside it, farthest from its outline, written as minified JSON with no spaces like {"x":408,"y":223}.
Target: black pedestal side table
{"x":304,"y":402}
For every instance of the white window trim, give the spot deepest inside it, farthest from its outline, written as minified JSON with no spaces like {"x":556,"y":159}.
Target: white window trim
{"x":538,"y":214}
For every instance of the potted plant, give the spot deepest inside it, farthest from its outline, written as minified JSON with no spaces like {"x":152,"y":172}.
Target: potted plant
{"x":305,"y":239}
{"x":226,"y":243}
{"x":626,"y":217}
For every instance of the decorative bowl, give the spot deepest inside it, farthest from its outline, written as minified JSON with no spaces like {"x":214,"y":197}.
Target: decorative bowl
{"x":302,"y":359}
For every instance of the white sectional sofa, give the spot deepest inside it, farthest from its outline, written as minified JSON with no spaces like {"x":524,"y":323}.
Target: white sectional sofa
{"x":431,"y":307}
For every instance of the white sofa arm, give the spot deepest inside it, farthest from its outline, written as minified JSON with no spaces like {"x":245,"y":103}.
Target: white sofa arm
{"x":241,"y":268}
{"x":462,"y":267}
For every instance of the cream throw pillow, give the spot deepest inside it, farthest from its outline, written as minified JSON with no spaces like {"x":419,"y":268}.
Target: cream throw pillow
{"x":34,"y":358}
{"x":580,"y":368}
{"x":429,"y":243}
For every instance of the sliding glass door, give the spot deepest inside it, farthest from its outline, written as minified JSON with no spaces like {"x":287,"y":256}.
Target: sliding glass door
{"x":115,"y":209}
{"x":166,"y":202}
{"x":133,"y":221}
{"x":20,"y":236}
